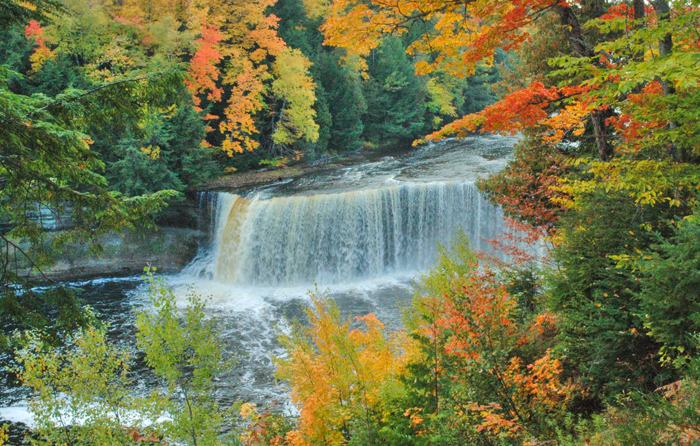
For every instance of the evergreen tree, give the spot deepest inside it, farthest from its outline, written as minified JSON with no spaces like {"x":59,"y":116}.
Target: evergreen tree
{"x":47,"y":164}
{"x":346,"y":102}
{"x":669,"y":293}
{"x":395,"y":96}
{"x":602,"y":337}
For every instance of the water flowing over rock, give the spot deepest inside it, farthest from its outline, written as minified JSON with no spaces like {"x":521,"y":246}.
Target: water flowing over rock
{"x":341,"y":237}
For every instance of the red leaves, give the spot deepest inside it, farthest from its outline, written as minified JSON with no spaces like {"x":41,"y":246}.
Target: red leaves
{"x":487,"y":343}
{"x":35,"y":32}
{"x":42,"y":53}
{"x":527,"y":191}
{"x":203,"y":72}
{"x":518,"y":110}
{"x":519,"y":241}
{"x":477,"y":313}
{"x":624,"y":11}
{"x":503,"y":27}
{"x":638,"y":120}
{"x":138,"y":438}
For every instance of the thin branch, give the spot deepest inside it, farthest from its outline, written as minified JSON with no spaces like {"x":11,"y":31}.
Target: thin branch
{"x":26,"y":256}
{"x":91,"y":91}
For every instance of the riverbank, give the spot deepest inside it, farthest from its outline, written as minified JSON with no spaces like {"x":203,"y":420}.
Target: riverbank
{"x":168,"y":249}
{"x":174,"y":242}
{"x":266,"y":176}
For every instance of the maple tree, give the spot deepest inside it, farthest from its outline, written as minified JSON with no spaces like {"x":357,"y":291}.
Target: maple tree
{"x":35,"y":32}
{"x":203,"y":72}
{"x":243,"y":37}
{"x":339,"y":377}
{"x":295,"y":87}
{"x":465,"y":308}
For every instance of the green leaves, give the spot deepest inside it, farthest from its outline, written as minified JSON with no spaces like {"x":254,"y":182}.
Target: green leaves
{"x":669,"y":297}
{"x":84,"y":394}
{"x":81,"y":396}
{"x":21,"y":12}
{"x":183,"y":349}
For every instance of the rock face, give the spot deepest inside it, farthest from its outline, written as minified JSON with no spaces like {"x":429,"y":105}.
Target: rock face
{"x":167,"y":249}
{"x":182,"y":214}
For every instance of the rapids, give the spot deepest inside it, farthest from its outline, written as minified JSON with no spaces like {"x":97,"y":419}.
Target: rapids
{"x":360,"y":234}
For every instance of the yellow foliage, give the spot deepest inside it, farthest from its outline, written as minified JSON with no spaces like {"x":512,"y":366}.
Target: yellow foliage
{"x":39,"y":57}
{"x":648,"y":182}
{"x":248,"y":411}
{"x":441,"y":97}
{"x":336,"y":374}
{"x":358,"y":26}
{"x":151,"y":152}
{"x":317,"y":8}
{"x":295,"y":87}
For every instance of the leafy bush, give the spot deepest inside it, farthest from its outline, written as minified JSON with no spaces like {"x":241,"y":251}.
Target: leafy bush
{"x":84,"y":394}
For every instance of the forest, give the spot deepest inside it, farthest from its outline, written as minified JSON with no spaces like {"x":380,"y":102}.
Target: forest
{"x":111,"y":110}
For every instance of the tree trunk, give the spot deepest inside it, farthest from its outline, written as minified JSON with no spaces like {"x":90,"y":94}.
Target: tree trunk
{"x":663,"y":13}
{"x":638,"y":6}
{"x":574,"y":34}
{"x":605,"y":150}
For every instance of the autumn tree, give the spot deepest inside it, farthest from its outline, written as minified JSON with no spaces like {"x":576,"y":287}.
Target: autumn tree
{"x":250,"y":48}
{"x":295,"y":89}
{"x":340,"y":377}
{"x":48,"y":168}
{"x":493,"y":372}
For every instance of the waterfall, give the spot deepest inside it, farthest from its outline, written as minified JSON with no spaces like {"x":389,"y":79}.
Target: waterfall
{"x":341,"y":237}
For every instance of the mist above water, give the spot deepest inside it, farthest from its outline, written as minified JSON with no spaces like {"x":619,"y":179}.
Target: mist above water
{"x":380,"y":218}
{"x":361,"y":234}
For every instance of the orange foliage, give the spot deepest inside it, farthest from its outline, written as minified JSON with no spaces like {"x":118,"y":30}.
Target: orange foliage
{"x":476,"y":320}
{"x":255,"y":35}
{"x":203,"y":72}
{"x":236,"y":43}
{"x":478,"y":313}
{"x":623,"y":11}
{"x":571,"y":118}
{"x":518,"y":110}
{"x":519,"y":242}
{"x":336,"y":374}
{"x":466,"y":33}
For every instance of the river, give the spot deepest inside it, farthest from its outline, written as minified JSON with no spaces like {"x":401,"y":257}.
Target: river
{"x":361,"y":234}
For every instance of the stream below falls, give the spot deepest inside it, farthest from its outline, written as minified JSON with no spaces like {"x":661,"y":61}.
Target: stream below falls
{"x":361,"y":234}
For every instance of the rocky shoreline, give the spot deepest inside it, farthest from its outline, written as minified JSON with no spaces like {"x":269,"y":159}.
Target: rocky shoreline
{"x":174,"y":242}
{"x":168,"y":249}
